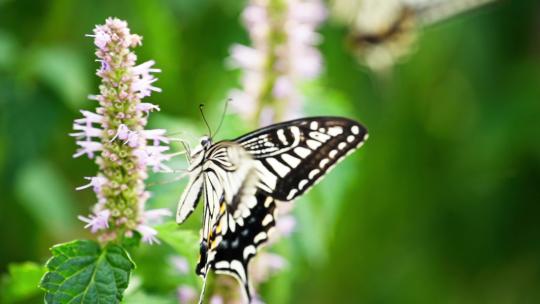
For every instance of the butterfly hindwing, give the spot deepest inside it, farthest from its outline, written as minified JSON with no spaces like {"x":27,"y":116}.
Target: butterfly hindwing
{"x":294,"y":155}
{"x":235,"y":241}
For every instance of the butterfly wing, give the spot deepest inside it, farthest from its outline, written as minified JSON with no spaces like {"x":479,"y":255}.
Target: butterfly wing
{"x":235,"y":241}
{"x":191,"y":195}
{"x":288,"y":158}
{"x":292,"y":156}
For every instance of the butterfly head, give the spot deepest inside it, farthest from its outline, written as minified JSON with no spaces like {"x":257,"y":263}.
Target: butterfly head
{"x":206,"y":142}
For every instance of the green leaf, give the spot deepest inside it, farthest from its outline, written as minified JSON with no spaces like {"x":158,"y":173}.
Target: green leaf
{"x":64,"y":71}
{"x":184,"y":242}
{"x":324,"y":100}
{"x":82,"y":272}
{"x":22,"y":282}
{"x":40,"y":184}
{"x":8,"y":50}
{"x":132,"y":242}
{"x":141,"y":297}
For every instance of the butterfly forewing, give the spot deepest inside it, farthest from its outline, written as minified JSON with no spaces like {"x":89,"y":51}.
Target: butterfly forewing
{"x":293,"y":155}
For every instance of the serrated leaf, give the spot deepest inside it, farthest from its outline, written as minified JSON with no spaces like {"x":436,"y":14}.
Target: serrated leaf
{"x":83,"y":272}
{"x":22,"y":282}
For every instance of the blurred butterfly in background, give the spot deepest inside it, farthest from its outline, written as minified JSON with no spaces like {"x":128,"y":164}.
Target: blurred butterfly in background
{"x":384,"y":33}
{"x":240,"y":181}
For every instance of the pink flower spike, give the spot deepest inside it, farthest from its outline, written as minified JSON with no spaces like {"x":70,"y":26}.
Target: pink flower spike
{"x":98,"y":221}
{"x":242,"y":103}
{"x":246,"y":57}
{"x":312,"y":12}
{"x":133,"y":139}
{"x":155,"y":215}
{"x":87,"y":147}
{"x":122,"y":133}
{"x":101,"y":38}
{"x":135,"y":40}
{"x":96,"y":183}
{"x":180,"y":263}
{"x":286,"y":224}
{"x":283,"y":87}
{"x":148,"y":234}
{"x":186,"y":294}
{"x":147,"y":107}
{"x":216,"y":299}
{"x":87,"y":131}
{"x":157,"y":135}
{"x":98,"y":98}
{"x":267,"y":116}
{"x":275,"y":262}
{"x":90,"y":117}
{"x":257,"y":300}
{"x":115,"y":133}
{"x":145,"y":68}
{"x":156,"y":150}
{"x":154,"y":157}
{"x":308,"y":62}
{"x":267,"y":264}
{"x":143,"y":85}
{"x":302,"y":35}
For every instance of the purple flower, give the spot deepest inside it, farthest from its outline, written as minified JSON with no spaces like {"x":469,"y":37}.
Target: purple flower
{"x":96,"y":183}
{"x":180,"y":263}
{"x":97,"y":221}
{"x":265,"y":265}
{"x":87,"y":147}
{"x":282,"y":55}
{"x":101,"y":38}
{"x":147,"y":107}
{"x":186,"y":294}
{"x":115,"y":136}
{"x":149,"y":234}
{"x":246,"y":57}
{"x":286,"y":224}
{"x":155,"y":216}
{"x":283,"y":87}
{"x":215,"y":299}
{"x":143,"y":79}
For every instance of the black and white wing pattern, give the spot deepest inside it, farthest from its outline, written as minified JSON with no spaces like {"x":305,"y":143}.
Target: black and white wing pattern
{"x":292,"y":156}
{"x":216,"y":170}
{"x":234,"y":242}
{"x":241,"y":179}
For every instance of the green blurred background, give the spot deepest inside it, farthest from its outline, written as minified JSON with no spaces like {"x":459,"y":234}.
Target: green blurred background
{"x":441,"y":205}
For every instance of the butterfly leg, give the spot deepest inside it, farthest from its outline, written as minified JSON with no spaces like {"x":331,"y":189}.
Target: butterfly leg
{"x":186,"y":151}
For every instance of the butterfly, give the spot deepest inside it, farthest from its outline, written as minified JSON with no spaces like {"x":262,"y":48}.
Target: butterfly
{"x":384,"y":33}
{"x":241,"y":179}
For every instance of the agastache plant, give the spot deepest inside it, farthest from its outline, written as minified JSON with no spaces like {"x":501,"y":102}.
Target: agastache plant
{"x":116,"y":138}
{"x":282,"y":55}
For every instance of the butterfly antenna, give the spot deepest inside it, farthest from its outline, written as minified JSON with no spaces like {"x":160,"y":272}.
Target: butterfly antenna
{"x":201,"y":107}
{"x":223,"y":115}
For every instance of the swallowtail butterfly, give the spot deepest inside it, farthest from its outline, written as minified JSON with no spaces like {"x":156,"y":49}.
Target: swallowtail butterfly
{"x":385,"y":32}
{"x":241,"y":179}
